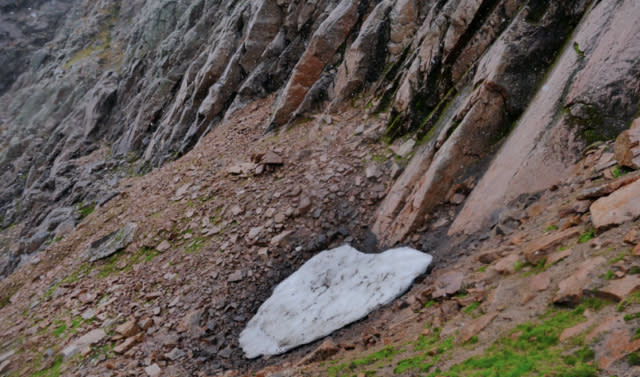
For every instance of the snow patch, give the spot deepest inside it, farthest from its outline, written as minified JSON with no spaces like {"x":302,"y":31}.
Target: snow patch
{"x":331,"y":290}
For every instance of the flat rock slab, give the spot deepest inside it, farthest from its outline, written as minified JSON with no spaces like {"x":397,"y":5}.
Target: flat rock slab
{"x":619,"y":207}
{"x":331,"y":290}
{"x":111,"y":243}
{"x":536,"y":250}
{"x":87,"y":339}
{"x":571,"y":289}
{"x":621,"y":288}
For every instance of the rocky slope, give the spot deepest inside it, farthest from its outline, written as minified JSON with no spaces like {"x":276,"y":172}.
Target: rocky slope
{"x":267,"y":130}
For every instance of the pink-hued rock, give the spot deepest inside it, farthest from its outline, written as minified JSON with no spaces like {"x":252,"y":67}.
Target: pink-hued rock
{"x":621,"y":288}
{"x":531,"y":159}
{"x":537,"y":249}
{"x":540,"y":282}
{"x":571,"y":288}
{"x":619,"y":207}
{"x":618,"y":345}
{"x":324,"y":43}
{"x":474,"y":327}
{"x":447,"y":284}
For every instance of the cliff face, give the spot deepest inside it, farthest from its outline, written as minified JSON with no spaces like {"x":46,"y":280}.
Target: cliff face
{"x":98,"y":91}
{"x":224,"y":143}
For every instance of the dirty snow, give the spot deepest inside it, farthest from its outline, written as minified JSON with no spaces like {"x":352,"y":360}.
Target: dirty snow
{"x":331,"y":290}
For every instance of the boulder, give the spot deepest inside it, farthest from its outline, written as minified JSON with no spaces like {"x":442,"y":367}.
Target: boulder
{"x":331,"y":290}
{"x":90,"y":338}
{"x":571,"y":289}
{"x":111,"y":243}
{"x":619,"y":207}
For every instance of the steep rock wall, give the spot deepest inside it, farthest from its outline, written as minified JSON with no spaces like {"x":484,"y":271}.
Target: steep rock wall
{"x":120,"y":87}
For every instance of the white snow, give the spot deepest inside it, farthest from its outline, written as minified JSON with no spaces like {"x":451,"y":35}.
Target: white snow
{"x":331,"y":290}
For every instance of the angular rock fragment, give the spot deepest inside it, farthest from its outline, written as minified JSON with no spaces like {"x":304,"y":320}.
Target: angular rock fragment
{"x":620,"y":288}
{"x":536,"y":250}
{"x":447,"y":284}
{"x":111,"y":243}
{"x":331,"y":290}
{"x":619,"y":207}
{"x":571,"y":288}
{"x":88,"y":339}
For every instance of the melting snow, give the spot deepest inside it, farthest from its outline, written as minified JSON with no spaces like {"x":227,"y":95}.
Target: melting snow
{"x":331,"y":290}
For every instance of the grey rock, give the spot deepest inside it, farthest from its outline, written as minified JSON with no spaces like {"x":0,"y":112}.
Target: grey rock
{"x":111,"y":243}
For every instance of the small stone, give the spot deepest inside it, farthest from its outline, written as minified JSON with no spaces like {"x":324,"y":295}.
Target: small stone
{"x":254,"y":233}
{"x":279,"y":218}
{"x":490,"y":256}
{"x":275,"y":241}
{"x":145,"y":323}
{"x":373,"y":171}
{"x":272,"y":158}
{"x":507,"y":265}
{"x":235,"y":277}
{"x":457,"y":198}
{"x":88,"y":314}
{"x":556,"y":257}
{"x":153,"y":370}
{"x":175,"y":354}
{"x":236,"y":210}
{"x":474,"y":327}
{"x":182,"y":190}
{"x":632,"y":237}
{"x":540,"y":282}
{"x":447,"y":284}
{"x":126,"y":345}
{"x":225,"y":353}
{"x":128,"y":329}
{"x":636,"y":250}
{"x":327,"y":349}
{"x":304,"y":205}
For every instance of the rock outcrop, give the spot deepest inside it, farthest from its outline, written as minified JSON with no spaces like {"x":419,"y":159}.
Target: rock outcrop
{"x":113,"y":89}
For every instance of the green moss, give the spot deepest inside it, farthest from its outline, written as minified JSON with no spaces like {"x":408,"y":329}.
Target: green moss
{"x":532,"y":349}
{"x":579,"y":52}
{"x":618,"y":171}
{"x":59,"y":330}
{"x":85,"y":209}
{"x":631,"y":317}
{"x":469,"y":309}
{"x":609,"y":275}
{"x":518,"y":265}
{"x":618,"y":258}
{"x":196,"y":245}
{"x":632,"y":299}
{"x":413,"y":363}
{"x":634,"y":358}
{"x":429,"y":304}
{"x":586,"y":236}
{"x":551,"y":228}
{"x":383,"y":355}
{"x":52,"y":371}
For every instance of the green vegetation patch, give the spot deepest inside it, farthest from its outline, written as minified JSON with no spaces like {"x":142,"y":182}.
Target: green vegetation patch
{"x":534,"y":349}
{"x":586,"y":236}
